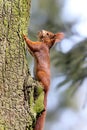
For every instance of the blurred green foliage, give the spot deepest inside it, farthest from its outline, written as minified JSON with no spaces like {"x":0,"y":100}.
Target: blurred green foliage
{"x":72,"y":65}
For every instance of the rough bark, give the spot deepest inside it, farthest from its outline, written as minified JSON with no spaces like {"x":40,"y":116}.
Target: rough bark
{"x":21,"y":97}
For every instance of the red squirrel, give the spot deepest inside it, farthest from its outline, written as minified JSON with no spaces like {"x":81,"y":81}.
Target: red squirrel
{"x":40,"y":50}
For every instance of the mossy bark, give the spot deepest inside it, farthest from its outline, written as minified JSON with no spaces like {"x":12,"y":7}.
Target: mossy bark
{"x":21,"y":97}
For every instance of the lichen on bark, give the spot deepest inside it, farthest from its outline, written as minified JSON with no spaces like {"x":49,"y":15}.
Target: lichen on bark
{"x":18,"y":103}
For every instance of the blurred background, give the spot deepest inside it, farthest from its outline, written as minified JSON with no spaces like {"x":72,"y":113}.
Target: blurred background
{"x":67,"y":99}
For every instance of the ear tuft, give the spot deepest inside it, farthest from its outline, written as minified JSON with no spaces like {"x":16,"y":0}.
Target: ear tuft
{"x":59,"y":37}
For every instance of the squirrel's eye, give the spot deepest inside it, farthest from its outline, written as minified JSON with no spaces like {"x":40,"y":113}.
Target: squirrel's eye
{"x":48,"y":34}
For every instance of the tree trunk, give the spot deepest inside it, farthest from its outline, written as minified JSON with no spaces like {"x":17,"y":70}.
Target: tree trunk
{"x":21,"y":97}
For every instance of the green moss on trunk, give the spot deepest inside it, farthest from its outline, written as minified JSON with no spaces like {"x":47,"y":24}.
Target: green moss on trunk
{"x":18,"y":103}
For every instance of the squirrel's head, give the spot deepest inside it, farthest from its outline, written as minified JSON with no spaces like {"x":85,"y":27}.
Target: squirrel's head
{"x":49,"y":38}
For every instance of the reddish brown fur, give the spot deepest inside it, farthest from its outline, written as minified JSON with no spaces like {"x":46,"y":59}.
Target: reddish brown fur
{"x":40,"y":51}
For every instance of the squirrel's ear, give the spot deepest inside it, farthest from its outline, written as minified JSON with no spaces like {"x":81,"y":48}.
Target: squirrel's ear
{"x":59,"y":37}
